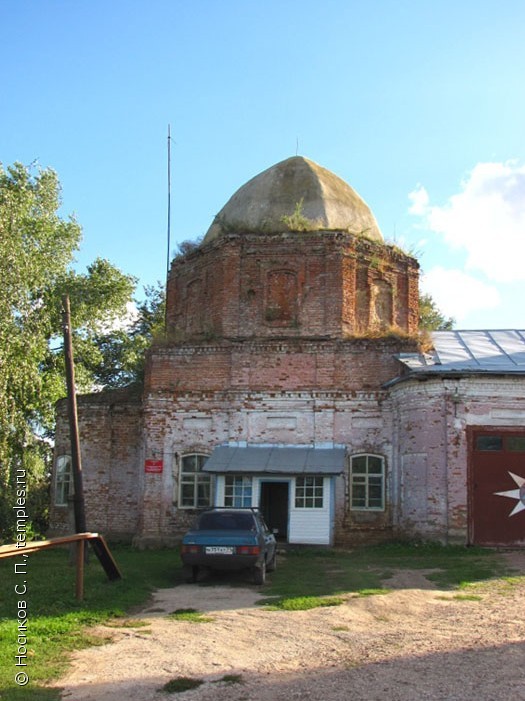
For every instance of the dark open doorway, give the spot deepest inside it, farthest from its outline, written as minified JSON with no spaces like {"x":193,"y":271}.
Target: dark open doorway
{"x":274,"y":507}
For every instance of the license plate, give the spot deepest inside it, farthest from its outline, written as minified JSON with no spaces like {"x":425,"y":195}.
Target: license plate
{"x":219,"y":550}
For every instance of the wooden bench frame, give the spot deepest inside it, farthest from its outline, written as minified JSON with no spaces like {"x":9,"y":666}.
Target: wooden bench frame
{"x":98,"y":544}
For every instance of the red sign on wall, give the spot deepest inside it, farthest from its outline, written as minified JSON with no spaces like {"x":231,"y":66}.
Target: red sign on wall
{"x":153,"y":466}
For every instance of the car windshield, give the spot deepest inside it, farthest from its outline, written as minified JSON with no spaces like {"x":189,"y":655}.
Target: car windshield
{"x":226,"y":521}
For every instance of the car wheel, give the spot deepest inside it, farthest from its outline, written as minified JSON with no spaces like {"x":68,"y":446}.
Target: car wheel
{"x":270,"y":567}
{"x":191,"y":574}
{"x":187,"y":573}
{"x":259,"y":573}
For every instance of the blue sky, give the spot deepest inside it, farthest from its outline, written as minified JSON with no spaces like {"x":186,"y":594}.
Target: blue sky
{"x":419,"y":105}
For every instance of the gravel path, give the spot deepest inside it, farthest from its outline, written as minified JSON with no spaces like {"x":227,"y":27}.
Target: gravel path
{"x":413,"y":643}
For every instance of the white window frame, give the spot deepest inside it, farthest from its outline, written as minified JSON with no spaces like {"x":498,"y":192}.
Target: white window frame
{"x":365,"y":478}
{"x":195,"y":478}
{"x":308,"y":490}
{"x":63,"y":480}
{"x":238,"y":491}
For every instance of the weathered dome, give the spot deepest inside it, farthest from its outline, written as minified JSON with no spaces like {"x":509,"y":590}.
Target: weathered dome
{"x":295,"y":194}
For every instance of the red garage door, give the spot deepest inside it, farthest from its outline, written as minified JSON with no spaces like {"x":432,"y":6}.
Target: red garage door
{"x":497,"y":494}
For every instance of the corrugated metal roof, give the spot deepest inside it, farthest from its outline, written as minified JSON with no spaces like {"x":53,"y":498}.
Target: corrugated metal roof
{"x":276,"y":460}
{"x":500,"y":351}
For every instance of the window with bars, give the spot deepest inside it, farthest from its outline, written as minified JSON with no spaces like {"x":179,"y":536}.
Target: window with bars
{"x":195,"y":485}
{"x":309,"y":492}
{"x":237,"y":491}
{"x":63,"y":480}
{"x":367,"y":483}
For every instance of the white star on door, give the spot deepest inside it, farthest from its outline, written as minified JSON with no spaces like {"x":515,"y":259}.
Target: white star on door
{"x":518,"y":494}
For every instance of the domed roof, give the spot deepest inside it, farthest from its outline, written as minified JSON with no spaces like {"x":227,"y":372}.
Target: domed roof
{"x":295,"y":194}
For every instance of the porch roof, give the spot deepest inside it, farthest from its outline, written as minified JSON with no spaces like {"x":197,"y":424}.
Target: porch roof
{"x":276,"y":460}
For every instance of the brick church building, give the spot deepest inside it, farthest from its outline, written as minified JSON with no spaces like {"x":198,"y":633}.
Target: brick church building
{"x":293,"y":377}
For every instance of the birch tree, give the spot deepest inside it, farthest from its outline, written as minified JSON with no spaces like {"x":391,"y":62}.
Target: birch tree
{"x":37,"y":248}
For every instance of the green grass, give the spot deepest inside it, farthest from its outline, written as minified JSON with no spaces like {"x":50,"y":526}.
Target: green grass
{"x":332,"y":572}
{"x":373,"y":592}
{"x":302,"y":603}
{"x":128,"y":623}
{"x":190,"y":615}
{"x":58,"y":624}
{"x":230,"y":679}
{"x":181,"y":684}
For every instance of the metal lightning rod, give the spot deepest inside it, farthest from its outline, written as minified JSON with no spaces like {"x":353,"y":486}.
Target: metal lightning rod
{"x":169,"y":232}
{"x":169,"y":202}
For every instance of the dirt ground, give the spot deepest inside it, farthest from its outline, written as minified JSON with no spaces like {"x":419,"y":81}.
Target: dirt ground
{"x":413,"y":643}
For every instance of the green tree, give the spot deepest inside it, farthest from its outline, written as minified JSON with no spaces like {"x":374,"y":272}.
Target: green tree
{"x":431,"y":318}
{"x":37,"y":249}
{"x":115,"y":357}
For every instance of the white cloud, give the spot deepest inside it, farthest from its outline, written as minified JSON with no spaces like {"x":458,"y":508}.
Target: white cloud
{"x":420,"y":199}
{"x":457,"y":294}
{"x":486,"y":219}
{"x":121,"y":323}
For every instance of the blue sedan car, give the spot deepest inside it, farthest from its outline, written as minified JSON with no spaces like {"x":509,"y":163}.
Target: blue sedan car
{"x":229,"y":539}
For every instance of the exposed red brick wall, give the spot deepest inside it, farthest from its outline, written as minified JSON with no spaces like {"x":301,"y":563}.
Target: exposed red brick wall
{"x":199,"y":396}
{"x":326,"y":284}
{"x":110,"y":428}
{"x":431,"y":457}
{"x":287,"y":339}
{"x":259,"y":325}
{"x":274,"y":365}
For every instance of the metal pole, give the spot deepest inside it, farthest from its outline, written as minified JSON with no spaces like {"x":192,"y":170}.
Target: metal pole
{"x":78,"y":499}
{"x":168,"y":254}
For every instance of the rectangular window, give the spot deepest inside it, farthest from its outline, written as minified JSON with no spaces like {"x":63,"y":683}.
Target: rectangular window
{"x":63,"y":480}
{"x":367,"y":483}
{"x":237,"y":491}
{"x":489,"y":443}
{"x":309,"y":492}
{"x":195,"y":485}
{"x":515,"y":444}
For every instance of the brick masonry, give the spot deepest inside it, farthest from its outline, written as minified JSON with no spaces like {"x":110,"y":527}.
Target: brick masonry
{"x":303,"y":285}
{"x":266,"y":393}
{"x":111,"y":427}
{"x":288,"y":339}
{"x":431,"y":478}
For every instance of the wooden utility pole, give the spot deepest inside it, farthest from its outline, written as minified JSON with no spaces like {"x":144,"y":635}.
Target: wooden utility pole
{"x":76,"y":462}
{"x":98,"y":543}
